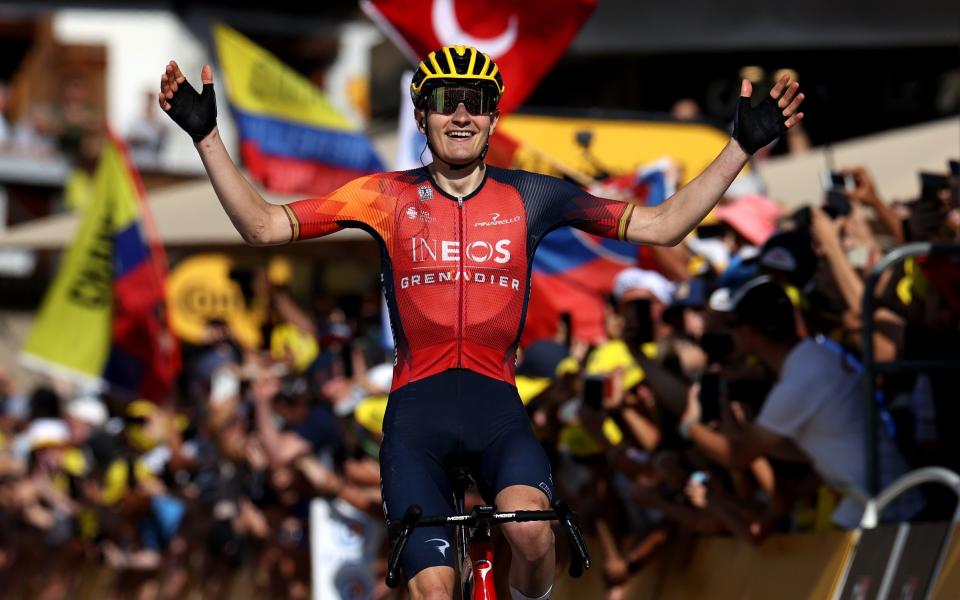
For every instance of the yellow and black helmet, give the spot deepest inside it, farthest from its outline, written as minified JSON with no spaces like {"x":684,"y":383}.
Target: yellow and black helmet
{"x":455,"y":65}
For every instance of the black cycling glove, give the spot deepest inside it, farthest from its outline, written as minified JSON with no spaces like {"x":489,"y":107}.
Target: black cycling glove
{"x":194,"y":113}
{"x":756,"y":126}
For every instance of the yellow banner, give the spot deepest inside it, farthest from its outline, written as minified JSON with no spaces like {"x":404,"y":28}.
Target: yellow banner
{"x":260,"y":84}
{"x":619,"y":146}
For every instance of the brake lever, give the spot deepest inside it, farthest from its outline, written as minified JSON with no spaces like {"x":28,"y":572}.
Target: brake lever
{"x":580,"y":557}
{"x":407,"y":524}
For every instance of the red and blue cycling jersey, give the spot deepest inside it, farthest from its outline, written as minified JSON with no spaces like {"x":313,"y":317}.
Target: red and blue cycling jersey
{"x":456,"y":270}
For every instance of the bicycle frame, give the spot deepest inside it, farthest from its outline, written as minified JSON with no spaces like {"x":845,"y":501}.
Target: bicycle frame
{"x":476,"y":565}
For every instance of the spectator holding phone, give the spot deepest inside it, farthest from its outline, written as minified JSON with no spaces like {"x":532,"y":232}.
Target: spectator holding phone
{"x":814,"y":413}
{"x":864,"y":193}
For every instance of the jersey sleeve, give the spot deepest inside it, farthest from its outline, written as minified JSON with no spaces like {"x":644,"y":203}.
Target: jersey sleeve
{"x":568,"y":204}
{"x":361,"y":203}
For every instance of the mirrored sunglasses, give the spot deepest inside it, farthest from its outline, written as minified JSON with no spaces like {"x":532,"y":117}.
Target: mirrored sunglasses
{"x":477,"y":101}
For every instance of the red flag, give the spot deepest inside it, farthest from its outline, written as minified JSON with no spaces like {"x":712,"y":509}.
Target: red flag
{"x":524,"y":38}
{"x":144,"y":355}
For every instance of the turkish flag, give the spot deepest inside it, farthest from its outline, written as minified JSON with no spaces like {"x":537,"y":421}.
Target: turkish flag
{"x":524,"y":38}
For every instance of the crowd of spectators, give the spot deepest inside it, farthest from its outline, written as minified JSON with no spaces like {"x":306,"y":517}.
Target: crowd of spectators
{"x":177,"y":495}
{"x":727,"y":398}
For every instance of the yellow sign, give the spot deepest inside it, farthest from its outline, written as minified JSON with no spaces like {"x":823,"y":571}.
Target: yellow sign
{"x":620,"y":146}
{"x":199,"y":290}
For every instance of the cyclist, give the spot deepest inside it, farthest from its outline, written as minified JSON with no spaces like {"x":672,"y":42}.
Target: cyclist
{"x":457,"y":239}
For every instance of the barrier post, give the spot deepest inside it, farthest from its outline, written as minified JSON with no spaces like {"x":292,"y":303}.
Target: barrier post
{"x":871,"y":367}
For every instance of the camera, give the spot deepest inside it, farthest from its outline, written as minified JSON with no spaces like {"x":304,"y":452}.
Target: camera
{"x":594,"y":388}
{"x":834,"y":180}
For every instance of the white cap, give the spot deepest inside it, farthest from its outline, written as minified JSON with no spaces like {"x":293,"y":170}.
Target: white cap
{"x":47,"y":432}
{"x":634,"y":278}
{"x":88,"y":409}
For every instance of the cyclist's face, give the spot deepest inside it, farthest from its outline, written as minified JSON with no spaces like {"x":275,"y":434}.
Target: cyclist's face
{"x":459,"y":137}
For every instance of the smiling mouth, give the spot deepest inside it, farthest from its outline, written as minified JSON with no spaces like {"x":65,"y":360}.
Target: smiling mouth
{"x":460,"y":135}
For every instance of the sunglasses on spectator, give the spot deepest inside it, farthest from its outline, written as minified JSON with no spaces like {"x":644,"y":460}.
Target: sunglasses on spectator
{"x":477,"y":101}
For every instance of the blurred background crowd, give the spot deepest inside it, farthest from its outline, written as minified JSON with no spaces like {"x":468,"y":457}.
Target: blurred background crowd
{"x":720,"y":387}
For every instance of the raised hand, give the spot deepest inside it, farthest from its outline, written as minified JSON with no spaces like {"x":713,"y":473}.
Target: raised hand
{"x":194,"y":113}
{"x":756,"y":126}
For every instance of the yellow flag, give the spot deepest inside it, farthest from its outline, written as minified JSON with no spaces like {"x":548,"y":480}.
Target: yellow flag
{"x":71,"y":334}
{"x":258,"y":83}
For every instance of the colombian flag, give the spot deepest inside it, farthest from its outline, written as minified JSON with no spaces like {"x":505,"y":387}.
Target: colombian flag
{"x":292,"y":139}
{"x":104,"y":319}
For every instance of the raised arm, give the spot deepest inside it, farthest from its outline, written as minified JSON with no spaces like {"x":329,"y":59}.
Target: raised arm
{"x":754,"y":127}
{"x":259,"y":222}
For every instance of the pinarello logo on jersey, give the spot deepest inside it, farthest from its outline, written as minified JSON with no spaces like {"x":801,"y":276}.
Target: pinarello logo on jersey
{"x":496,"y":220}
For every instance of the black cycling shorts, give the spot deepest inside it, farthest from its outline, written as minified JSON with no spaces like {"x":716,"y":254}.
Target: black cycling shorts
{"x":432,"y":424}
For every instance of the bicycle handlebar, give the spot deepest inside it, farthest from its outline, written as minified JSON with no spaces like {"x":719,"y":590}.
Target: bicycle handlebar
{"x":413,"y":518}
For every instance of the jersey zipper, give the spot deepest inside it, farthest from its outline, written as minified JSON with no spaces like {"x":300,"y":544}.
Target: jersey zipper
{"x":463,"y":282}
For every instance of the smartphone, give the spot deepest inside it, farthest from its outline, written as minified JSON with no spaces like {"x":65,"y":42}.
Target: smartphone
{"x":718,"y":346}
{"x":834,"y":180}
{"x":639,"y":326}
{"x":931,"y":184}
{"x":711,"y":387}
{"x":593,"y":389}
{"x":346,"y":358}
{"x":567,"y":319}
{"x":802,"y":218}
{"x":836,"y":204}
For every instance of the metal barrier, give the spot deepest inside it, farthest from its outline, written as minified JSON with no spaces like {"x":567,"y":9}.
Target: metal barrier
{"x":875,"y":506}
{"x":873,"y":368}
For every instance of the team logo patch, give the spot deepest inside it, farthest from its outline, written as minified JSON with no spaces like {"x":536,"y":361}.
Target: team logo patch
{"x":425,"y":192}
{"x":441,"y":547}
